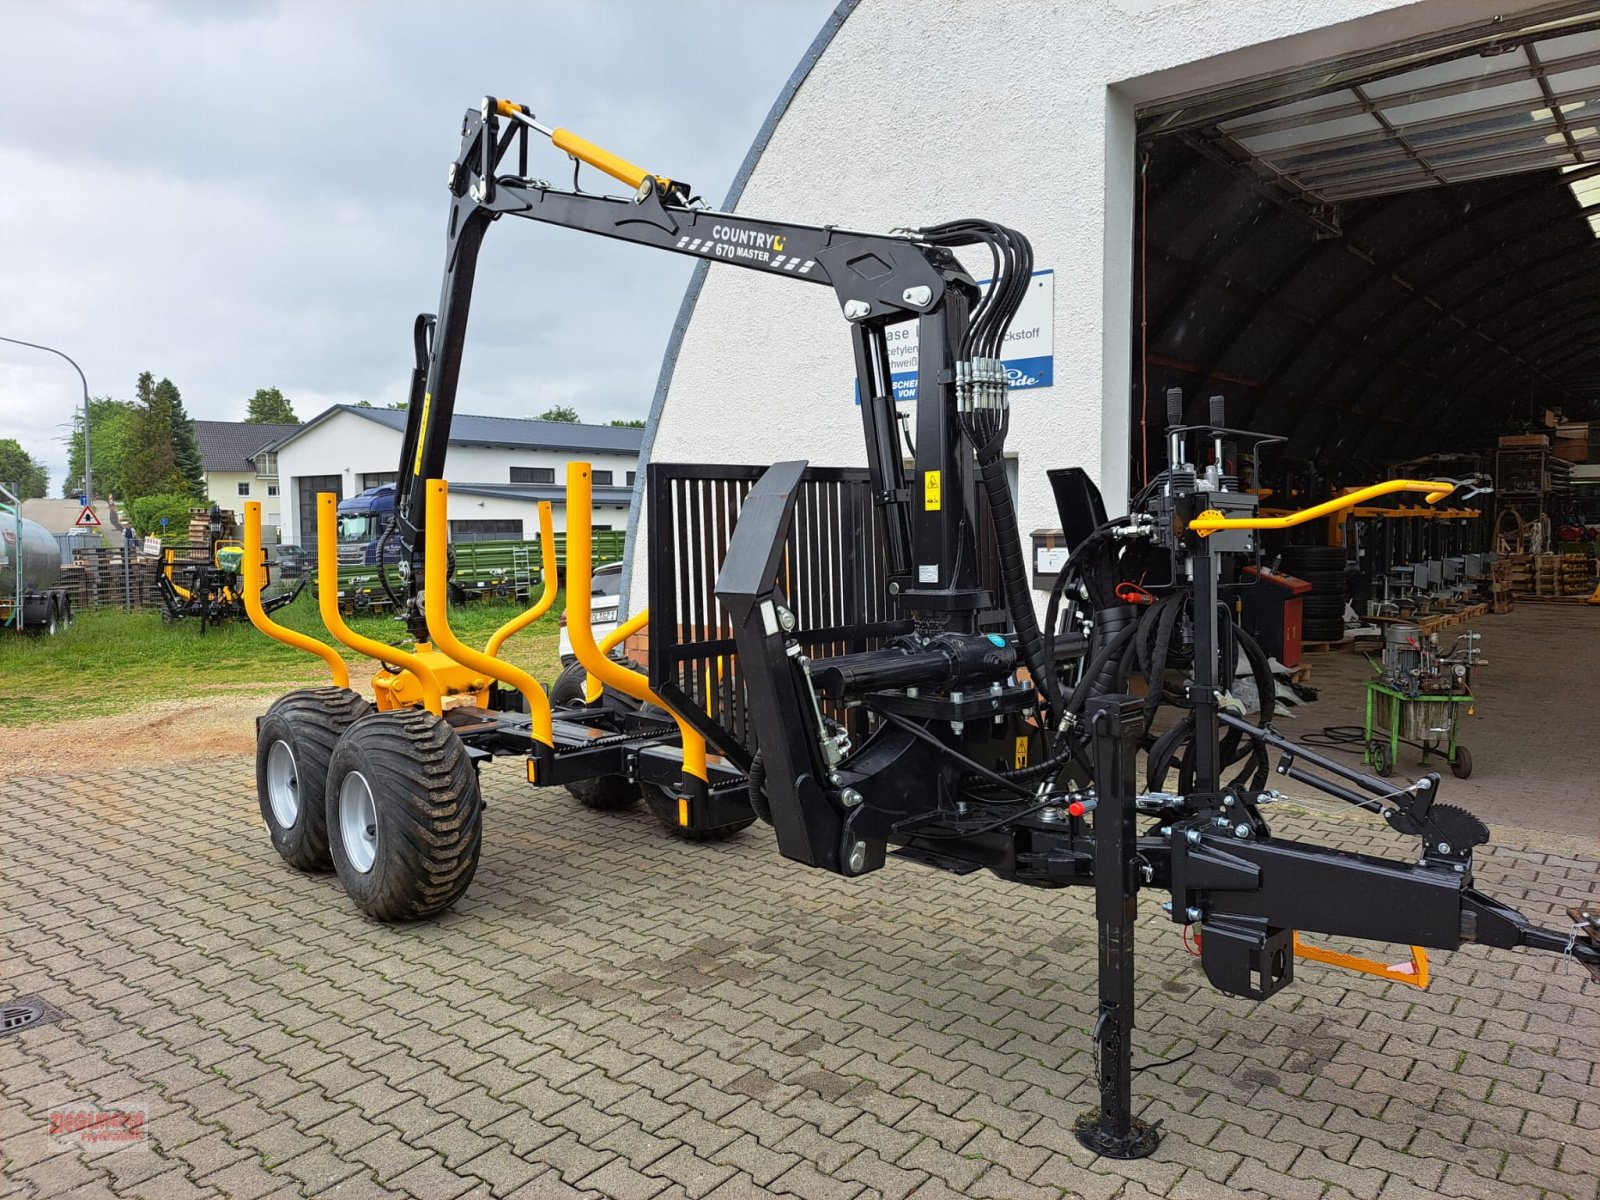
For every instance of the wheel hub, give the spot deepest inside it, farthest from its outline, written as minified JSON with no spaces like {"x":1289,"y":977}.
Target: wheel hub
{"x":283,"y":784}
{"x":358,"y":822}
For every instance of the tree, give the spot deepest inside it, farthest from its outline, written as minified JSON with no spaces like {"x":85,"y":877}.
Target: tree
{"x":147,"y":511}
{"x":362,"y":404}
{"x":399,"y":405}
{"x":630,"y":423}
{"x":269,"y":406}
{"x":562,"y":413}
{"x":142,"y":447}
{"x":149,"y":466}
{"x":111,"y":424}
{"x":185,"y":448}
{"x":21,"y":470}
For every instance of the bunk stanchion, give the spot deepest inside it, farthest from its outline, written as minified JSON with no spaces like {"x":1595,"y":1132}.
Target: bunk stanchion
{"x":328,"y":602}
{"x":167,"y":559}
{"x":436,"y":609}
{"x":547,"y":568}
{"x":592,"y":687}
{"x":254,"y":582}
{"x":580,"y":567}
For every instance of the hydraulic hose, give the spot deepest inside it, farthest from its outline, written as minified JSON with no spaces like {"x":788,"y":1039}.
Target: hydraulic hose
{"x":755,"y":781}
{"x":1108,"y":623}
{"x":1052,"y":617}
{"x":1111,"y":652}
{"x":1014,"y":577}
{"x":1107,"y":653}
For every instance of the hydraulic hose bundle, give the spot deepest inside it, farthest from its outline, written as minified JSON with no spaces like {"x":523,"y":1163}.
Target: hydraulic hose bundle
{"x":983,"y":410}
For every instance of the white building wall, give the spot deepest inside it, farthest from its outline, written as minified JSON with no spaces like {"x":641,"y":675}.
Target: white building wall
{"x":350,"y":446}
{"x":1021,"y":111}
{"x":492,"y":464}
{"x":222,"y":489}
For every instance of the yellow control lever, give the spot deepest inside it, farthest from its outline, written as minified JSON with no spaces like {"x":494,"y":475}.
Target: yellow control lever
{"x":1210,"y":521}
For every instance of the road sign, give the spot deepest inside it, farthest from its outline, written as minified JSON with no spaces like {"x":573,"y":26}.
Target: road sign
{"x":87,"y":519}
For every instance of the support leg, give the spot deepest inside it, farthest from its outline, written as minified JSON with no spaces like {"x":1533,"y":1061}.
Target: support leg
{"x":1366,"y":742}
{"x":1111,"y":1129}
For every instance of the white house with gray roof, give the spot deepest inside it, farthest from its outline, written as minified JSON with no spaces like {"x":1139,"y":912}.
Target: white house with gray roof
{"x":239,"y":467}
{"x":498,"y":468}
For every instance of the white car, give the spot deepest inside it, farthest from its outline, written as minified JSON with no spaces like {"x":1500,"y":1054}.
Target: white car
{"x":604,"y":596}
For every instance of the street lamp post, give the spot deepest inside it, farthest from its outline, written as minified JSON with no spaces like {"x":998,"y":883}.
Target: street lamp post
{"x":88,"y":477}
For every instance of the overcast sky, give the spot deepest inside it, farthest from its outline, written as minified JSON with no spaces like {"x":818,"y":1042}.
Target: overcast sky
{"x":241,"y":195}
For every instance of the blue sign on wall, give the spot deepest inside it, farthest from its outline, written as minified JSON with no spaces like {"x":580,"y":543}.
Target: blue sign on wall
{"x":1029,"y":353}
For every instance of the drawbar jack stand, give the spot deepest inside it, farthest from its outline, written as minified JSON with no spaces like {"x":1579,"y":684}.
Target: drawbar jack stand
{"x":1111,"y":1130}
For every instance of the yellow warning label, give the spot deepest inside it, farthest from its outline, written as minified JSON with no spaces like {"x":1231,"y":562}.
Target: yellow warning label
{"x":1022,"y":753}
{"x":422,"y":431}
{"x":931,"y":501}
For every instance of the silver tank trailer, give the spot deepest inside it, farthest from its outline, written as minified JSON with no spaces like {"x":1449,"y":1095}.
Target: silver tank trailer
{"x":39,"y":554}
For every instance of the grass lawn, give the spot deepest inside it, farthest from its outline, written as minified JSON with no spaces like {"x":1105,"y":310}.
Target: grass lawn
{"x":112,"y":661}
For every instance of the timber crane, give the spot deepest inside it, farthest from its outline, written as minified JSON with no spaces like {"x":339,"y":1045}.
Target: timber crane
{"x":854,"y":655}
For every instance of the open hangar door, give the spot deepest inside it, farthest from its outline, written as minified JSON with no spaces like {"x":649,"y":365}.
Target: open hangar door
{"x":1394,"y":266}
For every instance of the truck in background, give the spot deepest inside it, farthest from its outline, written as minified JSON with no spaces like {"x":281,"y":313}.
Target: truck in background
{"x":362,"y":520}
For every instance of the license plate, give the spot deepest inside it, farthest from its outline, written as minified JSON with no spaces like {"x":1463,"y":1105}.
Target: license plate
{"x":602,"y":615}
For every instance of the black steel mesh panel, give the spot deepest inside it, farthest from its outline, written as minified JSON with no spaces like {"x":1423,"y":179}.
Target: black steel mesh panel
{"x":834,"y":575}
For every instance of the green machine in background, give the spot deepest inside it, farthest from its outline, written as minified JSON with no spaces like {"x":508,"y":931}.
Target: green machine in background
{"x":1419,"y":698}
{"x":495,"y":571}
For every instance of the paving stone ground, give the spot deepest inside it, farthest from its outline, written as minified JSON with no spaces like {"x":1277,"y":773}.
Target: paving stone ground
{"x":610,"y":1013}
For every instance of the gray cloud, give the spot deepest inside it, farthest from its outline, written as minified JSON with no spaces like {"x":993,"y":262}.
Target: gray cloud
{"x":250,"y":195}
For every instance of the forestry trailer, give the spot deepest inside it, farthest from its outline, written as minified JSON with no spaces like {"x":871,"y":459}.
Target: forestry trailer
{"x":854,"y":655}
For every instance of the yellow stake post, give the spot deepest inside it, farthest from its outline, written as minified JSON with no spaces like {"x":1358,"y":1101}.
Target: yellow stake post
{"x":580,"y":567}
{"x":436,"y":609}
{"x":547,"y":567}
{"x":253,"y":583}
{"x":328,"y":602}
{"x":592,"y":687}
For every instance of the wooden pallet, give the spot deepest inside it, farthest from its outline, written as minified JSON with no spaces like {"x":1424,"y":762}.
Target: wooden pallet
{"x":1434,"y":622}
{"x":95,"y":579}
{"x":1536,"y":598}
{"x":1450,"y":620}
{"x":1343,"y":644}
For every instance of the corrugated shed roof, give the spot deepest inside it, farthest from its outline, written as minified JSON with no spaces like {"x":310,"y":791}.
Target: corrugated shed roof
{"x":228,"y":445}
{"x":1440,"y":314}
{"x":1526,"y":108}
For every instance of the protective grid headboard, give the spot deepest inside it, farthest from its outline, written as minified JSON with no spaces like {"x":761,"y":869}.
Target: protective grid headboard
{"x":836,"y":582}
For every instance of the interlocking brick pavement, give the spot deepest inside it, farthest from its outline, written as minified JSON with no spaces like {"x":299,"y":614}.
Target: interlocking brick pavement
{"x":611,"y":1013}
